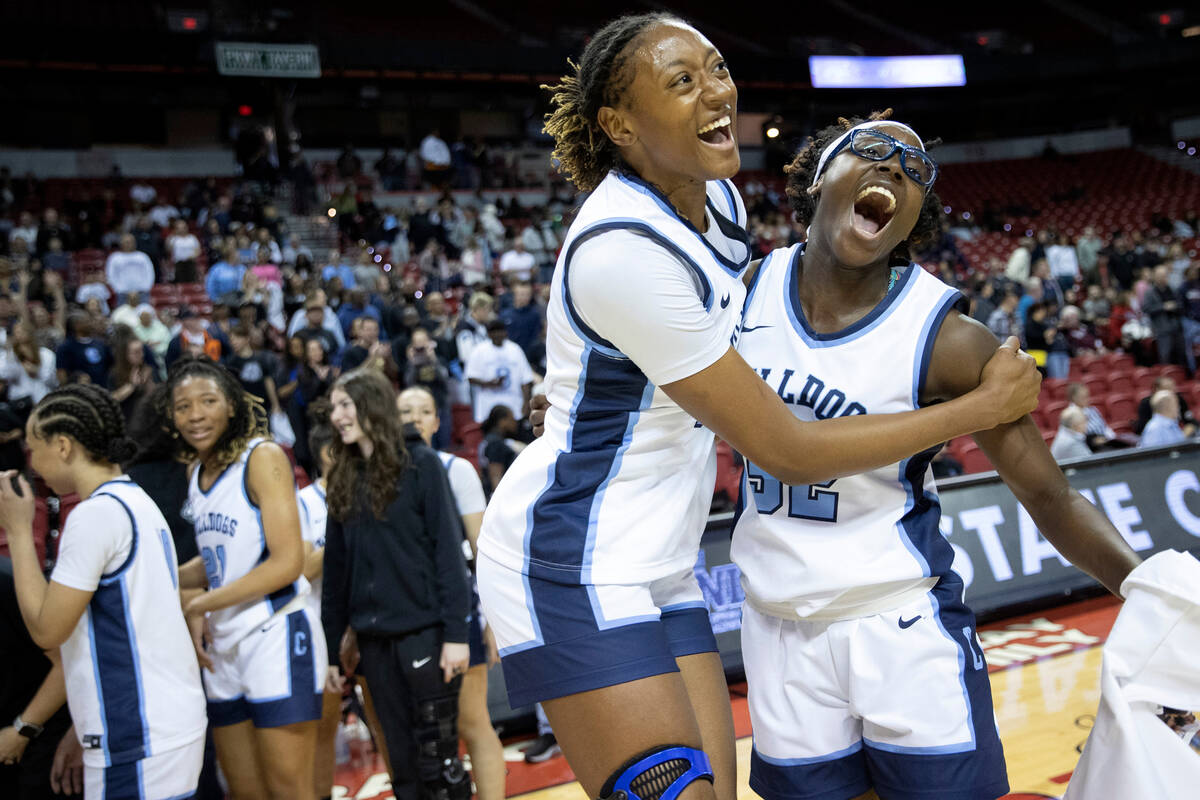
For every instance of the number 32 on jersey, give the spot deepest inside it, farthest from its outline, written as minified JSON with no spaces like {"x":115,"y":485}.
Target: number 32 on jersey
{"x":810,"y":502}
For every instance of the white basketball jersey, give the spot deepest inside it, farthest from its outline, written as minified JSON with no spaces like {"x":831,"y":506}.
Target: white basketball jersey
{"x":229,"y":533}
{"x":313,"y":514}
{"x":834,"y":549}
{"x":133,"y":684}
{"x":617,"y":489}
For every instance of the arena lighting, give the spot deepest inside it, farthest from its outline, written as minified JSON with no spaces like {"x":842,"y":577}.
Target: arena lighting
{"x":332,"y":213}
{"x":947,"y":209}
{"x":772,"y":132}
{"x":189,"y":23}
{"x":378,"y":258}
{"x":890,"y":72}
{"x":1191,"y":151}
{"x":245,"y":110}
{"x":1007,"y":227}
{"x":1181,"y":144}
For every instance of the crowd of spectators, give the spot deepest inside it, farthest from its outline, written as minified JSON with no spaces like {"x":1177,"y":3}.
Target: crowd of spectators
{"x":451,"y":295}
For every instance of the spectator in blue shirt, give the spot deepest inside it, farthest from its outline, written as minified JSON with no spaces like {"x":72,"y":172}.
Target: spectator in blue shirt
{"x":338,"y":268}
{"x":356,"y":306}
{"x":523,"y":319}
{"x":1163,"y":428}
{"x":80,"y":357}
{"x":225,"y":276}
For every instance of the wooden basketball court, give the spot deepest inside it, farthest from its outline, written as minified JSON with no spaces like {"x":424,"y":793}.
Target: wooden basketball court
{"x":1045,"y":671}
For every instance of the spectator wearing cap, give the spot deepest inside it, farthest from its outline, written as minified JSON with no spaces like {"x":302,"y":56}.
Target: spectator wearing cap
{"x":500,"y":374}
{"x":314,"y":328}
{"x":196,"y":338}
{"x":1071,"y":439}
{"x":128,"y":270}
{"x":329,"y":320}
{"x":225,"y":276}
{"x":1163,"y":427}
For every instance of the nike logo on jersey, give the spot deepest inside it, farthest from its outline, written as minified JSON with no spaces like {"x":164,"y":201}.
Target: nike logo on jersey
{"x":725,"y":301}
{"x":908,"y":623}
{"x":755,"y":328}
{"x":422,"y":662}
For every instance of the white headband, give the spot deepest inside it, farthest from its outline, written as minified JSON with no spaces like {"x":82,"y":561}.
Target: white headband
{"x":836,"y":143}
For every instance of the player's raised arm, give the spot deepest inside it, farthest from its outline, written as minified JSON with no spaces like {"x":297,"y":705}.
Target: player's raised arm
{"x":1075,"y":527}
{"x":733,"y":401}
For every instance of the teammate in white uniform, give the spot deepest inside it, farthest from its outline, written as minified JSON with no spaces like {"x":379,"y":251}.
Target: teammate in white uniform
{"x":313,"y":514}
{"x":587,"y":550}
{"x":265,"y":660}
{"x":112,"y":604}
{"x":862,"y":660}
{"x":418,"y":408}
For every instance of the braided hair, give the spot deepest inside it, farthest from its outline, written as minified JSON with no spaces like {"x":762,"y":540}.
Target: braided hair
{"x":583,"y":150}
{"x":802,"y":168}
{"x":249,"y":420}
{"x":90,"y":416}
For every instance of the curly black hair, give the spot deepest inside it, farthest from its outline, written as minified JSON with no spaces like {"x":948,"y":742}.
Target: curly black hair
{"x":583,"y":150}
{"x":90,"y":416}
{"x":249,"y":420}
{"x":800,"y":176}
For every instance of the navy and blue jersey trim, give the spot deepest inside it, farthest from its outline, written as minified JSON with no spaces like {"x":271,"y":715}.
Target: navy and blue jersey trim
{"x":118,"y":674}
{"x":612,"y":395}
{"x":733,"y":231}
{"x":863,"y":326}
{"x":133,"y":541}
{"x":952,"y":300}
{"x":246,"y":474}
{"x":756,"y":280}
{"x":643,"y":228}
{"x":731,"y":198}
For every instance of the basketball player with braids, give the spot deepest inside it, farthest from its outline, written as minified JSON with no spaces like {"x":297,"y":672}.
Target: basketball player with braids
{"x":588,"y":546}
{"x":264,"y":664}
{"x":864,"y":668}
{"x":112,"y":603}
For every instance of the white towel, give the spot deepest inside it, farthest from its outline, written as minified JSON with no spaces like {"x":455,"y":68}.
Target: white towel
{"x":1151,"y":660}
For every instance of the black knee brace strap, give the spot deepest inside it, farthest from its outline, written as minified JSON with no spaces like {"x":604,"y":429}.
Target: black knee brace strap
{"x":438,"y":765}
{"x":658,"y":774}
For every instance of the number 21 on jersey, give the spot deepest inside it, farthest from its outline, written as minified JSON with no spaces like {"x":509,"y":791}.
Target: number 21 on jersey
{"x":214,"y":564}
{"x":804,"y":502}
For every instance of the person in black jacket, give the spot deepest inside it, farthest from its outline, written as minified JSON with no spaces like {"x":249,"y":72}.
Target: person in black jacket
{"x":394,"y":575}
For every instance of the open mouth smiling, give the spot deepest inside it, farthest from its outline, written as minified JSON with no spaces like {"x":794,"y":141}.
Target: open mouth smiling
{"x":874,"y":207}
{"x":719,"y":131}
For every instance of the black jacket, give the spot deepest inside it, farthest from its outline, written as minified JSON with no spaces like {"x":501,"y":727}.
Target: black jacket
{"x":403,"y":573}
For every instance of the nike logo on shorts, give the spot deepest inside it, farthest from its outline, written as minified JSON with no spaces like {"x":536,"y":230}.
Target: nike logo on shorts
{"x":908,"y":623}
{"x":422,"y":662}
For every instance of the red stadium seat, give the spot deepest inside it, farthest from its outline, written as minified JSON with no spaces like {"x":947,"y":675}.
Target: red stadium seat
{"x":1052,"y":411}
{"x":1054,"y":388}
{"x":1120,"y":383}
{"x":1096,"y":383}
{"x":1120,"y":407}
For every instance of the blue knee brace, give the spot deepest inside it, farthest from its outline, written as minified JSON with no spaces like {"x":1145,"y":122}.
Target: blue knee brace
{"x":658,"y":774}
